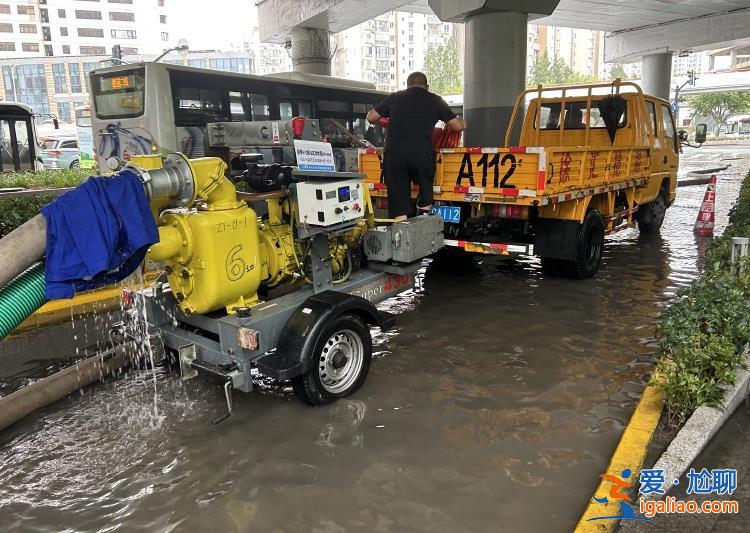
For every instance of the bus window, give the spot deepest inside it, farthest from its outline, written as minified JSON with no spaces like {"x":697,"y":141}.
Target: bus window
{"x":199,"y":106}
{"x":6,"y":147}
{"x":260,"y":107}
{"x":286,"y":112}
{"x":304,"y":109}
{"x":236,"y":106}
{"x":119,"y":94}
{"x":25,"y":151}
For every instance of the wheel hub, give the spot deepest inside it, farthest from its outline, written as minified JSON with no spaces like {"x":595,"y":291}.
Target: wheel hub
{"x":340,"y":361}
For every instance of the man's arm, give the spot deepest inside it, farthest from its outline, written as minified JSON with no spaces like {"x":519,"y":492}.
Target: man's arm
{"x":456,"y":124}
{"x":373,"y":116}
{"x":380,"y":111}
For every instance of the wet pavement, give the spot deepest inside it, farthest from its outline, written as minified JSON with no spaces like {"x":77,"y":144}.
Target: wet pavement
{"x":493,"y":405}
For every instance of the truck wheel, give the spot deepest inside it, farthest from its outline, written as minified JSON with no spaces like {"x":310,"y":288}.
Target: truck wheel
{"x":589,"y":247}
{"x":341,"y":360}
{"x":650,"y":216}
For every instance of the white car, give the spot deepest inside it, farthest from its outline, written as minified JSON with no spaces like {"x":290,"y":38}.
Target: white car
{"x":60,"y":153}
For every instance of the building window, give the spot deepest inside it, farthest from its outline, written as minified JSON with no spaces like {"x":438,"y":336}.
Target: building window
{"x":46,"y":33}
{"x":61,"y":13}
{"x":7,"y":47}
{"x":93,"y":50}
{"x":199,"y":63}
{"x":48,"y":50}
{"x":90,"y":32}
{"x":27,"y":28}
{"x":75,"y":77}
{"x":163,"y":19}
{"x":120,"y":1}
{"x":88,"y":15}
{"x":30,"y":47}
{"x":164,"y":36}
{"x":61,"y":81}
{"x":124,"y":34}
{"x":64,"y":32}
{"x":26,"y":10}
{"x":31,"y":86}
{"x":63,"y":111}
{"x":6,"y":28}
{"x":161,"y":3}
{"x":129,"y":51}
{"x":66,"y":49}
{"x":118,"y":15}
{"x":44,"y":15}
{"x":4,"y":9}
{"x":232,"y":64}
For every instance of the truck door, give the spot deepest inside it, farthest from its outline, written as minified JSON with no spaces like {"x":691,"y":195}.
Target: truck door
{"x":670,"y":147}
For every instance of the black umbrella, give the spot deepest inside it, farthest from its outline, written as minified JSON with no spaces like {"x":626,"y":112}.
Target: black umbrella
{"x":611,"y":109}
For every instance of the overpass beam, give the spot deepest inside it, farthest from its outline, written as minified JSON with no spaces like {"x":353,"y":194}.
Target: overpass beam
{"x":494,"y":73}
{"x":657,"y":74}
{"x":311,"y":50}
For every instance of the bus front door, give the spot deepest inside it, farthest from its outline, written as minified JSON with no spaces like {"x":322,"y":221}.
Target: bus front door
{"x":16,"y":145}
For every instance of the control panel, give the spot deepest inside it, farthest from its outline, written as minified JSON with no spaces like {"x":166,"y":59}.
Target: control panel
{"x":326,"y":203}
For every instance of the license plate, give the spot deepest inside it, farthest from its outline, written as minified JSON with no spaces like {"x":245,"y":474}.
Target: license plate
{"x":448,"y":213}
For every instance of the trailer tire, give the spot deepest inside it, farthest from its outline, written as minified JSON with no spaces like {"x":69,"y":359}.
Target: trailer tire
{"x":650,"y":216}
{"x":589,"y":247}
{"x":341,"y":359}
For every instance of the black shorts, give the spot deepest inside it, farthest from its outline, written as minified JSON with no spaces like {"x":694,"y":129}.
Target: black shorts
{"x":401,"y":170}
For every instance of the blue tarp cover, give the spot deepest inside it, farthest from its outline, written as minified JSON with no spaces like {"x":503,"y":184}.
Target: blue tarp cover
{"x":97,"y":234}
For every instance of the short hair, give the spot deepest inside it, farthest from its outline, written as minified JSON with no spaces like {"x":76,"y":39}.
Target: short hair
{"x":416,"y":79}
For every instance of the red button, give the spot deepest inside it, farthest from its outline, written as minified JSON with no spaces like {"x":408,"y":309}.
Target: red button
{"x":356,"y":207}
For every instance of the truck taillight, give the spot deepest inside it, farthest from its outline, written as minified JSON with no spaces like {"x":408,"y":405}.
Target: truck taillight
{"x":298,"y":127}
{"x":510,"y":211}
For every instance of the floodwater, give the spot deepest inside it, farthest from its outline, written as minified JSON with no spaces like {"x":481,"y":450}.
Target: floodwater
{"x":494,"y":405}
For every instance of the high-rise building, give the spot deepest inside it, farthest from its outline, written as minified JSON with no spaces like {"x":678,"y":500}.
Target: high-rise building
{"x":30,"y":28}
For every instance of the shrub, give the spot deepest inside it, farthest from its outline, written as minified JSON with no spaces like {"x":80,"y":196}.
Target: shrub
{"x":703,"y":333}
{"x":16,"y":211}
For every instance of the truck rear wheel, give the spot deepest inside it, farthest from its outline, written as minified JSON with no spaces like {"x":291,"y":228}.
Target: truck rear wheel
{"x":650,"y":216}
{"x":340,"y":362}
{"x":589,"y":247}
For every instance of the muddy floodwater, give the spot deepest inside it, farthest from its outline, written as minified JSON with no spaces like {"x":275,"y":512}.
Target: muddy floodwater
{"x":494,"y":405}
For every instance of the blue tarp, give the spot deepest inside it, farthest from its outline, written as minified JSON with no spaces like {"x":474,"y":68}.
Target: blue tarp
{"x":97,"y":234}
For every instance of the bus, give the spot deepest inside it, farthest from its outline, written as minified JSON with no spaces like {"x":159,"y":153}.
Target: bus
{"x":151,"y":108}
{"x":85,"y":137}
{"x":19,"y":150}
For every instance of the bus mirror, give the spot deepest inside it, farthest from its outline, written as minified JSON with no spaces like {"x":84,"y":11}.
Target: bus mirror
{"x":56,"y":123}
{"x":700,"y":133}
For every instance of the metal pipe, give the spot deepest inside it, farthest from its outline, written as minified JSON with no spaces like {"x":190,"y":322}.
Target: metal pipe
{"x":21,"y":248}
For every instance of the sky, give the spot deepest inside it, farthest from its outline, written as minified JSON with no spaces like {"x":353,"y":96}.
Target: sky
{"x":213,"y":24}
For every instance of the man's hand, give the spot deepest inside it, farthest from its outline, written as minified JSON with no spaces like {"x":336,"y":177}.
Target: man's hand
{"x":456,"y":124}
{"x":373,"y":116}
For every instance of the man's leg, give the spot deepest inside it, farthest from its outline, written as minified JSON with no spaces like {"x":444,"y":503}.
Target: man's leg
{"x":425,"y":172}
{"x":399,"y":186}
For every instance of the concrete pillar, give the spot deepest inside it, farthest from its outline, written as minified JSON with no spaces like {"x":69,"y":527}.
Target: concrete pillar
{"x":657,"y":74}
{"x":494,"y":73}
{"x":311,"y":51}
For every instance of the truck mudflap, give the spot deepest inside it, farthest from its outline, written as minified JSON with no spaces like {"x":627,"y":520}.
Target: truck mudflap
{"x":492,"y":248}
{"x":293,"y":356}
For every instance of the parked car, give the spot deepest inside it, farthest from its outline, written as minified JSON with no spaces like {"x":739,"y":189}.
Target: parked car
{"x":60,"y":153}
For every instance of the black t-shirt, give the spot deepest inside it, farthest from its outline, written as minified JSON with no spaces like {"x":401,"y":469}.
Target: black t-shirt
{"x":413,"y":114}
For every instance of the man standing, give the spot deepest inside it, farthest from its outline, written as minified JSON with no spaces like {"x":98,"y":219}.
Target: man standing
{"x":409,"y":156}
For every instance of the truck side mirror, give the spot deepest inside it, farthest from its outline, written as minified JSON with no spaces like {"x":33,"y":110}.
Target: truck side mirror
{"x":700,"y":133}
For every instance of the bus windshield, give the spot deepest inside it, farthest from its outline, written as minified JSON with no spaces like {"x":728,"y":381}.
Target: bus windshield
{"x":119,"y":94}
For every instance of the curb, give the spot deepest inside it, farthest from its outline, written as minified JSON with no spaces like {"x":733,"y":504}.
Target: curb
{"x":629,"y":453}
{"x":700,"y":429}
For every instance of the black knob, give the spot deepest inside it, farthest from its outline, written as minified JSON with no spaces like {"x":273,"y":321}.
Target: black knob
{"x":338,"y":210}
{"x":243,"y":312}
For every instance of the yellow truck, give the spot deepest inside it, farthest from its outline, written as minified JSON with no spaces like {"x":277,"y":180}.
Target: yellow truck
{"x":592,"y":159}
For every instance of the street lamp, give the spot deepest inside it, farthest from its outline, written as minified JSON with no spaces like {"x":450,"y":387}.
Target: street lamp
{"x":182,"y":47}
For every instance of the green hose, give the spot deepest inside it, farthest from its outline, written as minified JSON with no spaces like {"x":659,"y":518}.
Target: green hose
{"x":20,"y":298}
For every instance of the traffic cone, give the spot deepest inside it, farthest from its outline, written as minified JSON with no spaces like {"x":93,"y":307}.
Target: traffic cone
{"x":704,"y":224}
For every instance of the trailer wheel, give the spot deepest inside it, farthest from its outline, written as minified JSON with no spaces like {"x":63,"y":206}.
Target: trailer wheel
{"x":341,"y":360}
{"x":650,"y":216}
{"x":589,"y":247}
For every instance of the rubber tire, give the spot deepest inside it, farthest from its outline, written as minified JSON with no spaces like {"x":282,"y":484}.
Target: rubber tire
{"x":650,"y":216}
{"x":590,"y":234}
{"x":75,"y":164}
{"x":308,"y":386}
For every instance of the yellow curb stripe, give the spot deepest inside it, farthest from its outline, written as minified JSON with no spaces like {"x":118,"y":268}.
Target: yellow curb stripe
{"x":630,"y":453}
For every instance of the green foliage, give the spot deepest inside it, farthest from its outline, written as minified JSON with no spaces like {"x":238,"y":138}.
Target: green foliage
{"x":442,"y":68}
{"x":550,"y":72}
{"x":16,"y":211}
{"x":703,"y":333}
{"x":720,"y":106}
{"x":618,"y":71}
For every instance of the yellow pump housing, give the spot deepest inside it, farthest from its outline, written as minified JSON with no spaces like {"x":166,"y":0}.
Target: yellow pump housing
{"x":215,"y":252}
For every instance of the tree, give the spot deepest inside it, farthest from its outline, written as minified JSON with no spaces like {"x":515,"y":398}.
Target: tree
{"x":618,"y":71}
{"x":554,"y":72}
{"x":720,"y":106}
{"x":442,"y":68}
